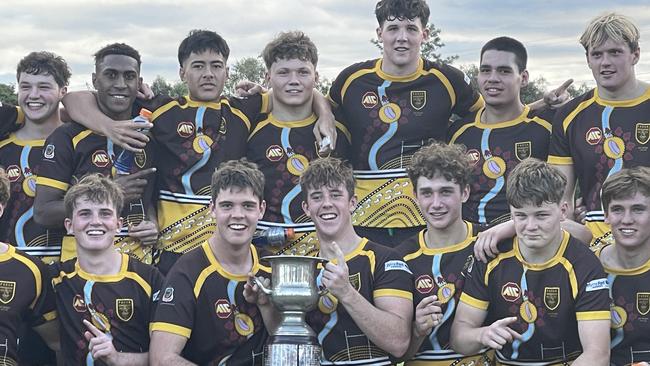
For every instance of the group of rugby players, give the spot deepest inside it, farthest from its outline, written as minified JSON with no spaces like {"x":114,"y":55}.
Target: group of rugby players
{"x":468,"y":250}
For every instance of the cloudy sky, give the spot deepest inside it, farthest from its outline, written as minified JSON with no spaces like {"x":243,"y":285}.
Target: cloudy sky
{"x":341,"y":29}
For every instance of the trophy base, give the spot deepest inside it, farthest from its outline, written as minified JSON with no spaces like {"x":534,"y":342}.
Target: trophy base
{"x":292,"y":351}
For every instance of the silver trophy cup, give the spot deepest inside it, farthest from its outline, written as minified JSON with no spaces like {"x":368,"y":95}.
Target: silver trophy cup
{"x":293,"y":292}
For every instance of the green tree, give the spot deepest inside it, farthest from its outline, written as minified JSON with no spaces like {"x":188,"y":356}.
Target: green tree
{"x":575,"y":91}
{"x":247,"y":68}
{"x":429,"y":47}
{"x":8,"y":94}
{"x":160,"y":86}
{"x":323,"y":85}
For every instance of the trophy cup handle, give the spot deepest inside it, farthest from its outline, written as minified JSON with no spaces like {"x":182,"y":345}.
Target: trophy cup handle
{"x":261,"y":286}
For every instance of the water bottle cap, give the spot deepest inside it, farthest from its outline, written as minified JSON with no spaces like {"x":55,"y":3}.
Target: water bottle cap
{"x":144,"y":112}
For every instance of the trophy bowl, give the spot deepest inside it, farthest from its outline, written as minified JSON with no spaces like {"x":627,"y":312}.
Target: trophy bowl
{"x":293,"y":292}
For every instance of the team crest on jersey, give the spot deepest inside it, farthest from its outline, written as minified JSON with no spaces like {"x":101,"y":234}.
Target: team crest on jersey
{"x":643,"y":302}
{"x":523,"y":150}
{"x":474,"y":156}
{"x":7,"y":291}
{"x":511,"y":292}
{"x":13,"y":173}
{"x":594,"y":136}
{"x":222,"y":308}
{"x":78,"y":304}
{"x":222,"y":126}
{"x":642,"y":133}
{"x":424,"y":284}
{"x":168,"y":296}
{"x":552,"y":297}
{"x":469,"y":264}
{"x":369,"y":100}
{"x":124,"y":309}
{"x":418,"y":99}
{"x":355,"y":281}
{"x":100,"y":159}
{"x":49,"y":152}
{"x":185,"y":129}
{"x":140,"y":159}
{"x":274,"y":153}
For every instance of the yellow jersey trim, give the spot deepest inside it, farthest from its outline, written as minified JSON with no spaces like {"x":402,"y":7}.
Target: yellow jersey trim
{"x":521,"y":118}
{"x":645,"y":267}
{"x":35,"y":272}
{"x":576,"y":111}
{"x":474,"y":302}
{"x":171,"y":328}
{"x":593,"y":315}
{"x":392,"y":293}
{"x":560,"y":160}
{"x":622,"y":103}
{"x":13,"y":139}
{"x":80,"y":136}
{"x":50,"y":315}
{"x":52,"y":183}
{"x":555,"y":259}
{"x":349,"y":81}
{"x":215,"y":266}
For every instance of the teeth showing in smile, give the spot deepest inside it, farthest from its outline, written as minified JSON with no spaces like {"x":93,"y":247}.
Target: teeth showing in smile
{"x":119,"y":96}
{"x":237,"y":226}
{"x":329,"y":216}
{"x":628,"y":231}
{"x":95,"y":232}
{"x":35,"y":104}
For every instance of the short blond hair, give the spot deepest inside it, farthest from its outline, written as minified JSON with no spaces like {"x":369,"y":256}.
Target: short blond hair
{"x":616,"y":27}
{"x":625,"y":184}
{"x":95,"y":188}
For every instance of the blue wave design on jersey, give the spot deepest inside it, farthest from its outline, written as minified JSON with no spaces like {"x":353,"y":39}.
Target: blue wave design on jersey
{"x":618,"y":163}
{"x":204,"y":159}
{"x":295,"y":191}
{"x":619,"y":334}
{"x":528,"y":334}
{"x":22,"y":220}
{"x":498,"y":185}
{"x":451,"y":304}
{"x":327,"y":329}
{"x":392,"y":129}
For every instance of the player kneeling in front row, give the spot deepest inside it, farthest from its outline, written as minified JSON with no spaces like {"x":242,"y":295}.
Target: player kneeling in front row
{"x":105,"y":299}
{"x":545,"y":296}
{"x":440,"y":254}
{"x":626,"y":200}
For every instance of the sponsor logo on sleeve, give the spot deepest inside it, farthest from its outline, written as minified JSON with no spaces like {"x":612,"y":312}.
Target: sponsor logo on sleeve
{"x":597,"y":284}
{"x":49,"y":152}
{"x":396,"y":265}
{"x":168,"y":296}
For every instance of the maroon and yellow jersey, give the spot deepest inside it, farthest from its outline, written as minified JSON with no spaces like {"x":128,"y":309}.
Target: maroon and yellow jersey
{"x":282,"y":151}
{"x":548,"y":300}
{"x":204,"y":303}
{"x":390,"y":118}
{"x":119,"y":305}
{"x":20,"y":159}
{"x":375,"y":271}
{"x":440,"y":272}
{"x":598,"y":138}
{"x":193,"y":138}
{"x":495,"y":149}
{"x":25,"y":299}
{"x":629,"y":290}
{"x":11,"y":119}
{"x":72,"y":152}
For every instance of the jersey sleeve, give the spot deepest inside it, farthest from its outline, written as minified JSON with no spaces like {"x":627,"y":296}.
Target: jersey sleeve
{"x":475,"y":291}
{"x":343,"y":142}
{"x":152,"y":104}
{"x":44,"y":307}
{"x":559,"y":151}
{"x":251,"y":107}
{"x":176,"y":305}
{"x":11,"y":119}
{"x":57,"y":165}
{"x":393,"y":277}
{"x":592,"y":300}
{"x":467,"y":99}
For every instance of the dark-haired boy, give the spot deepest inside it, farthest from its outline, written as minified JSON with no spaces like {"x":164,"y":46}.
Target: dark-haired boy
{"x":203,"y":317}
{"x":26,"y":297}
{"x":544,"y":299}
{"x":439,"y":255}
{"x":105,"y":299}
{"x":626,"y":200}
{"x":366,"y":315}
{"x":282,"y":144}
{"x":194,"y":134}
{"x":392,"y":106}
{"x":73,"y":151}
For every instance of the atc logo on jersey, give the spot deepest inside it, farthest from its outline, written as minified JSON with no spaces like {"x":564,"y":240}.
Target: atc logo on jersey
{"x":7,"y":291}
{"x":369,"y":100}
{"x":222,"y":308}
{"x":594,"y":136}
{"x":124,"y":309}
{"x":78,"y":304}
{"x":185,"y":129}
{"x":424,"y":284}
{"x":100,"y":159}
{"x":13,"y":173}
{"x":474,"y":156}
{"x":511,"y":292}
{"x":274,"y":153}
